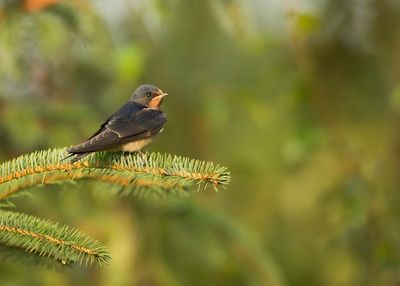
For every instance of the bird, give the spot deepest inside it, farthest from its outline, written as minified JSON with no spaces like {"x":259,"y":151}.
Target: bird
{"x":130,"y":128}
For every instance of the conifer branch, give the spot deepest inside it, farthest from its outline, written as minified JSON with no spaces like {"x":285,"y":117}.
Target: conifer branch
{"x":45,"y":238}
{"x":131,"y":172}
{"x":139,"y":174}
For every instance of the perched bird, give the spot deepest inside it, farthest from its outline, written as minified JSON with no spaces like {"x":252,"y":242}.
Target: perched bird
{"x":130,"y":128}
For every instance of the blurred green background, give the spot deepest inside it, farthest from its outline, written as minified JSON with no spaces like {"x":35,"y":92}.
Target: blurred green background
{"x":299,"y":98}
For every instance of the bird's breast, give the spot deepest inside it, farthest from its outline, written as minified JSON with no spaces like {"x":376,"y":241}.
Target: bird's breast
{"x":135,"y":145}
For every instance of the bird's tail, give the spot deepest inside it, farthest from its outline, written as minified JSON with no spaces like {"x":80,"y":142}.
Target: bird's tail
{"x":77,"y":157}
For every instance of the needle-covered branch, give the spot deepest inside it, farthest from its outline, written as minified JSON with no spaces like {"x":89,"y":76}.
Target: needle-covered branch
{"x":127,"y":173}
{"x":139,"y":174}
{"x":48,"y":239}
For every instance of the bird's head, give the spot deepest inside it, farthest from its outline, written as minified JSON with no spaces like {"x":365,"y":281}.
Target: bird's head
{"x":148,"y":95}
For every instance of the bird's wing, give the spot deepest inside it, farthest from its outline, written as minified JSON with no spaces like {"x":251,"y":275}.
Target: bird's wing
{"x":126,"y":110}
{"x":121,"y":129}
{"x":141,"y":121}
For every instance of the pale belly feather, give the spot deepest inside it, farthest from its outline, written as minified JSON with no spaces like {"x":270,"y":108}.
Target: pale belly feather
{"x":136,"y":145}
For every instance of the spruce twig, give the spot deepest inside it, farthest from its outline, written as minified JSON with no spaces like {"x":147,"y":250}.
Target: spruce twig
{"x":45,"y":238}
{"x":131,"y":172}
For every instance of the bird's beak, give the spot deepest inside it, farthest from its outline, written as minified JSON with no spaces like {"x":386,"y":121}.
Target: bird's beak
{"x":156,"y":101}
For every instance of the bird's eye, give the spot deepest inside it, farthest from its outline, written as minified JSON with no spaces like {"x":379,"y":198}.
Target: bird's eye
{"x":148,"y":94}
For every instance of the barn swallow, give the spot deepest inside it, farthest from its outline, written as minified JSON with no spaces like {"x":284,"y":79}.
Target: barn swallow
{"x":130,"y":128}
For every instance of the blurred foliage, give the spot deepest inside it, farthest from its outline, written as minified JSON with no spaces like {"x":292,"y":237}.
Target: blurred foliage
{"x":300,"y":99}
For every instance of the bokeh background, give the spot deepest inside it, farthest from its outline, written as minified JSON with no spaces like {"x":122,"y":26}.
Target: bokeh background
{"x":299,"y":98}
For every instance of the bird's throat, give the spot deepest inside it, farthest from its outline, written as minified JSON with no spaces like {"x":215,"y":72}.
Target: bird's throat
{"x":156,"y":101}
